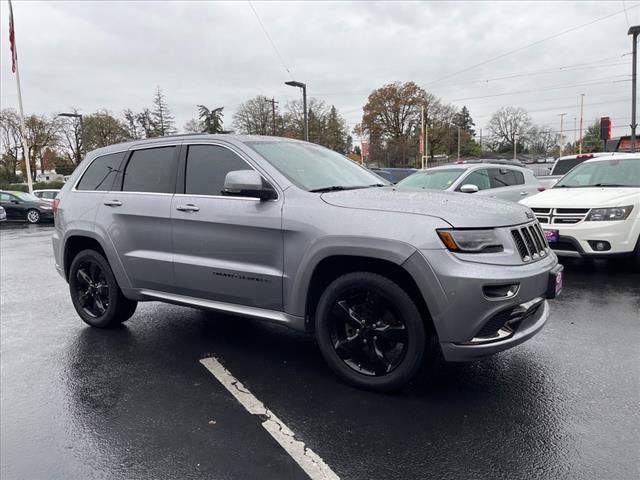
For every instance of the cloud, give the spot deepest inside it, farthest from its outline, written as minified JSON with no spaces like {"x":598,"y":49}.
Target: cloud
{"x":112,"y":55}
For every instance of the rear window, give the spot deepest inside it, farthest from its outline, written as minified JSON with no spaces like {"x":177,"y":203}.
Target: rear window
{"x":101,"y":172}
{"x":150,"y":170}
{"x":563,"y":166}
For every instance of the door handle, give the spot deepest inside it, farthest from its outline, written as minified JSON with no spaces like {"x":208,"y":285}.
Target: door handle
{"x":187,"y":208}
{"x":524,"y":193}
{"x":113,"y":203}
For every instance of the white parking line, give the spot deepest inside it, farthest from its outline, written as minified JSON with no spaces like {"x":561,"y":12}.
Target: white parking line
{"x":308,"y":460}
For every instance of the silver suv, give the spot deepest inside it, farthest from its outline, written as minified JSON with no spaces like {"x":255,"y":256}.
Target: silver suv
{"x":291,"y":232}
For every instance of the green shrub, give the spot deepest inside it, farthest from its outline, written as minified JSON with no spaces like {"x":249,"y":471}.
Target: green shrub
{"x":23,"y":187}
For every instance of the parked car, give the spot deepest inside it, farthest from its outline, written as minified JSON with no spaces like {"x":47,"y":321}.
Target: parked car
{"x":46,"y":195}
{"x":24,"y":206}
{"x":393,"y":175}
{"x":494,"y":161}
{"x":3,"y":215}
{"x":505,"y":182}
{"x":290,"y":232}
{"x":594,"y":210}
{"x":564,"y":164}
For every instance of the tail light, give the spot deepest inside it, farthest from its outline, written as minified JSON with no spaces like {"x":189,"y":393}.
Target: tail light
{"x":54,"y":205}
{"x":586,"y":155}
{"x":541,"y":189}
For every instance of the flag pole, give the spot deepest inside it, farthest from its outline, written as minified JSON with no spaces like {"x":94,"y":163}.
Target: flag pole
{"x":23,"y":128}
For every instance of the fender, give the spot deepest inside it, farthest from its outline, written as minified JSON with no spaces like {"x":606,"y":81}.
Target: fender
{"x":296,"y":284}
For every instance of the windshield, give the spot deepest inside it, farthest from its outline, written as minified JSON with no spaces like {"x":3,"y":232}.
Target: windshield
{"x":603,"y":173}
{"x":434,"y":179}
{"x":26,"y":197}
{"x":312,"y":167}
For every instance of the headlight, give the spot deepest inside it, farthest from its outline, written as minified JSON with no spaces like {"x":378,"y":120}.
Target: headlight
{"x":471,"y":241}
{"x":615,"y":213}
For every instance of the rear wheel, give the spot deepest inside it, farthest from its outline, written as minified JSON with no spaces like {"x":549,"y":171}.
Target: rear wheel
{"x":95,"y":293}
{"x":33,"y":216}
{"x":370,"y":332}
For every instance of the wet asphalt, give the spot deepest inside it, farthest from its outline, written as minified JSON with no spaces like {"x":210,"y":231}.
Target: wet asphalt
{"x":135,"y":403}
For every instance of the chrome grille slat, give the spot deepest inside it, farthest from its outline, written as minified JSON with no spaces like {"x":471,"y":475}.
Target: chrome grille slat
{"x":530,"y":242}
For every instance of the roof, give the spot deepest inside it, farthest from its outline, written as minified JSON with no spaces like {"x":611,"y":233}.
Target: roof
{"x":617,"y":156}
{"x":475,"y":166}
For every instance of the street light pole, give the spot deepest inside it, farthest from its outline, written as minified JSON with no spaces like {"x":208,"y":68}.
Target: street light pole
{"x":581,"y":115}
{"x":458,"y":143}
{"x":561,"y":132}
{"x":303,"y":86}
{"x":635,"y":30}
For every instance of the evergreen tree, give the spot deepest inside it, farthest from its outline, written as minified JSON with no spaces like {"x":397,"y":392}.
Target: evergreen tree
{"x":162,"y":121}
{"x":211,"y":120}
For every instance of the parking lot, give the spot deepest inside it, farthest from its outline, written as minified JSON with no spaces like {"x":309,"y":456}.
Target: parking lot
{"x":135,"y":402}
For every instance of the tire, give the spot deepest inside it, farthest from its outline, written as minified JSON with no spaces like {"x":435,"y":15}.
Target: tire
{"x":33,"y":216}
{"x":95,"y":293}
{"x":370,"y":332}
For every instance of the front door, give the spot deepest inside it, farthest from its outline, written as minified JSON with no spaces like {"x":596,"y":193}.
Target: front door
{"x":12,"y":205}
{"x":227,"y":249}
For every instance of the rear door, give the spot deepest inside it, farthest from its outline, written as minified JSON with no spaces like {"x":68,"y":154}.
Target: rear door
{"x":136,"y":216}
{"x":507,"y":184}
{"x":227,"y":249}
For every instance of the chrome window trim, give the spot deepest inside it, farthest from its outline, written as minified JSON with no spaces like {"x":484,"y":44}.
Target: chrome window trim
{"x":224,"y":197}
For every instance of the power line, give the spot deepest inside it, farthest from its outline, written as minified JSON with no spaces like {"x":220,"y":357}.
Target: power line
{"x":270,"y":40}
{"x":538,"y":42}
{"x":553,"y":87}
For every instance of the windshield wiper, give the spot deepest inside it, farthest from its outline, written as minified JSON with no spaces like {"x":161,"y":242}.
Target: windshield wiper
{"x":336,"y":188}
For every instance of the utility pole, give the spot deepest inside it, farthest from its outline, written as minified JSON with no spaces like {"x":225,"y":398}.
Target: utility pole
{"x":273,"y":115}
{"x":635,"y":30}
{"x":581,"y":115}
{"x":426,"y":142}
{"x":458,"y":143}
{"x":480,"y":142}
{"x":515,"y":143}
{"x":422,"y":135}
{"x":561,"y":115}
{"x":303,"y":86}
{"x":575,"y":129}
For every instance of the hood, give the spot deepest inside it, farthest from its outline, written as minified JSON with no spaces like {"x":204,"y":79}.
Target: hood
{"x":590,"y":197}
{"x":460,"y":210}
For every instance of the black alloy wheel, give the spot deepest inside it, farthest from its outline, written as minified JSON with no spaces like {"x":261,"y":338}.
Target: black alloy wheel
{"x":92,"y":289}
{"x":95,"y":292}
{"x":370,"y":331}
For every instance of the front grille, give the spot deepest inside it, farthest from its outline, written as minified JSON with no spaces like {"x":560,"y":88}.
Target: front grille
{"x":560,"y":216}
{"x":530,"y":242}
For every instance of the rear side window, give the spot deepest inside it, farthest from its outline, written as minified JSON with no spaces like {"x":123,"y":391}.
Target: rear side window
{"x":207,"y":167}
{"x":101,"y":172}
{"x":563,"y":166}
{"x":150,"y":170}
{"x":505,"y":177}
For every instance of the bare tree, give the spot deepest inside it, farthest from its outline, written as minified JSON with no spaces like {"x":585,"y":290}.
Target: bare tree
{"x":102,"y":129}
{"x":509,"y":125}
{"x":541,"y":140}
{"x":11,"y":141}
{"x":71,"y":134}
{"x":255,"y":117}
{"x":193,"y":126}
{"x":41,"y":132}
{"x":161,"y":119}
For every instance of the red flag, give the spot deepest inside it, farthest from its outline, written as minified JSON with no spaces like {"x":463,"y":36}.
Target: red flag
{"x":365,"y":149}
{"x":12,"y":40}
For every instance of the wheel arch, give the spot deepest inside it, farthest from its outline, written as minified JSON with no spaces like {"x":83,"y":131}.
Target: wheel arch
{"x":333,"y":266}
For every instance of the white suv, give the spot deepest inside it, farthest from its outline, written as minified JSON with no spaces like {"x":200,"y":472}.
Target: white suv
{"x":594,"y":210}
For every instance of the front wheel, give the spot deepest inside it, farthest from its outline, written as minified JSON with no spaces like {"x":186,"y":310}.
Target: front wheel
{"x":95,"y":293}
{"x":370,"y":332}
{"x":33,"y":216}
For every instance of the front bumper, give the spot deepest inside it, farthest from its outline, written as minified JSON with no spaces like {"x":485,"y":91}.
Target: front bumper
{"x":455,"y":292}
{"x":574,"y":240}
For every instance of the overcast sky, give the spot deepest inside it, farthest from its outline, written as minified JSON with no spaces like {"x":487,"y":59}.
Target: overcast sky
{"x":112,"y":55}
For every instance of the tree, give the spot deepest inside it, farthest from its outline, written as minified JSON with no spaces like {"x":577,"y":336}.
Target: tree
{"x":102,"y":129}
{"x":509,"y":125}
{"x":255,"y":117}
{"x":337,"y":136}
{"x":193,"y":126}
{"x":591,"y":141}
{"x":390,"y":116}
{"x":11,"y":141}
{"x":161,"y":120}
{"x":71,"y":133}
{"x":41,"y":132}
{"x":541,"y":141}
{"x":211,"y":120}
{"x":134,"y":123}
{"x":464,"y":121}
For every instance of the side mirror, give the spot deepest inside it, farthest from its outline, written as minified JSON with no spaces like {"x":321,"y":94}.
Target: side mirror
{"x":469,"y":188}
{"x":247,"y":183}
